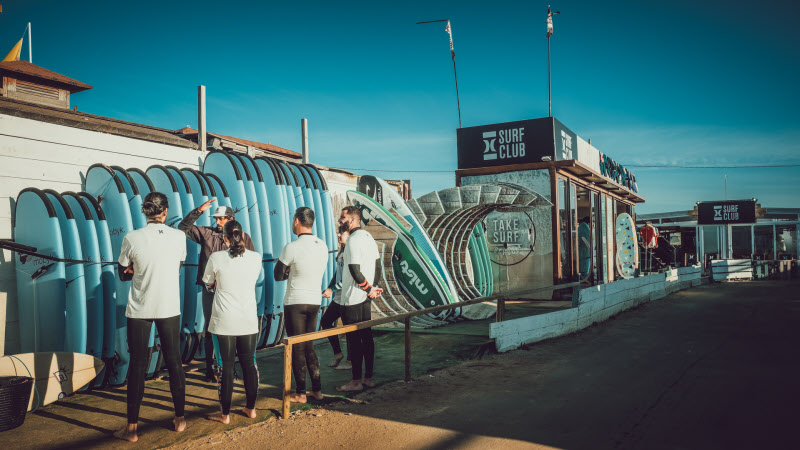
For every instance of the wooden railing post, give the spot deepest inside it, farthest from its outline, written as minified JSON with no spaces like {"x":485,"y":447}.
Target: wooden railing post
{"x":408,"y":349}
{"x":287,"y":379}
{"x":501,"y":310}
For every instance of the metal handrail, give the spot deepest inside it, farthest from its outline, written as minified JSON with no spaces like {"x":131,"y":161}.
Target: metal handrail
{"x":289,"y":341}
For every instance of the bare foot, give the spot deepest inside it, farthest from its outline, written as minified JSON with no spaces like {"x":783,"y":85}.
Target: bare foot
{"x":317,"y":395}
{"x":368,"y":382}
{"x":344,"y":366}
{"x":128,"y":433}
{"x":251,"y":413}
{"x":180,"y":423}
{"x":221,"y":418}
{"x":352,"y":386}
{"x":298,"y":398}
{"x":337,"y":358}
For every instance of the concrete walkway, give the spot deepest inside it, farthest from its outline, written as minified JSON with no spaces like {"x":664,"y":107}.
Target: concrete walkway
{"x":88,"y":419}
{"x":711,"y":367}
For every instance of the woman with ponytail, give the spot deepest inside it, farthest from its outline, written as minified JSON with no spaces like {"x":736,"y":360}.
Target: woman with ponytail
{"x":234,"y":320}
{"x":151,"y":258}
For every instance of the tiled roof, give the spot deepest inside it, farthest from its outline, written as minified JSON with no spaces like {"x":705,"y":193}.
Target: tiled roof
{"x":32,"y":70}
{"x":92,"y":122}
{"x":188,"y":131}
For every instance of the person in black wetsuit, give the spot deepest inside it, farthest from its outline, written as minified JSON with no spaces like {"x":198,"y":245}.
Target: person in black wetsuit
{"x":151,"y":257}
{"x":210,"y":240}
{"x":361,"y":263}
{"x":234,"y":322}
{"x":303,"y":263}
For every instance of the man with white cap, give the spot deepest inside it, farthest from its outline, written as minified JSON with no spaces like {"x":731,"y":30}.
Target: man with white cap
{"x":210,"y":240}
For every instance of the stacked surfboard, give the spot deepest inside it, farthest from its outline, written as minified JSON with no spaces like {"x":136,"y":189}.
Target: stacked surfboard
{"x":67,"y":244}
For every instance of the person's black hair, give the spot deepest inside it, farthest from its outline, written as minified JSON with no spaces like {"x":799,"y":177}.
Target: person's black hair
{"x":352,"y":211}
{"x":154,"y":204}
{"x":305,"y":215}
{"x":233,"y":231}
{"x":342,"y":229}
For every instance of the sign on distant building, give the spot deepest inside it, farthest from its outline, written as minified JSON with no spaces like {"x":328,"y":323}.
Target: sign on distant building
{"x":726,"y":212}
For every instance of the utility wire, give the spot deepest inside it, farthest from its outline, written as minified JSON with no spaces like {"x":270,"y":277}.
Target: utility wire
{"x":664,"y":166}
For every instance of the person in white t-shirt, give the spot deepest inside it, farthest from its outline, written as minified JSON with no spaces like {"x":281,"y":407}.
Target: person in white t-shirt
{"x":361,"y":270}
{"x":151,"y":257}
{"x":303,"y":263}
{"x":234,"y":320}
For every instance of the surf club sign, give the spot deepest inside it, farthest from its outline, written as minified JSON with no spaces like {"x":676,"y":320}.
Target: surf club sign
{"x":617,"y":173}
{"x":534,"y":141}
{"x":725,"y":212}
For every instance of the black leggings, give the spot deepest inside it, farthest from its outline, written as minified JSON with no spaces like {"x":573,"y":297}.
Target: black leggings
{"x":301,"y":319}
{"x":332,"y":313}
{"x":138,"y":340}
{"x":208,"y":301}
{"x":228,"y":348}
{"x":359,"y":343}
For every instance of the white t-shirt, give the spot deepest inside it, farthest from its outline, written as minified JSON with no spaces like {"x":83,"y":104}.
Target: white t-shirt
{"x":156,"y":252}
{"x":234,"y":310}
{"x":361,"y":249}
{"x":307,"y":258}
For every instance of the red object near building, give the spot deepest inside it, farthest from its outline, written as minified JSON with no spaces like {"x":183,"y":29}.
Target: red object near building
{"x":649,"y":236}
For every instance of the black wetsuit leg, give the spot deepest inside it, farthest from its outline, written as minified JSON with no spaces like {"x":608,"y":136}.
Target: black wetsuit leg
{"x":332,"y":313}
{"x":138,"y":340}
{"x":301,"y":319}
{"x":360,"y":344}
{"x":208,"y":301}
{"x":246,"y":350}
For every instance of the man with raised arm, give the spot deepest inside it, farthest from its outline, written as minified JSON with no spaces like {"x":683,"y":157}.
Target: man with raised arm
{"x":210,"y":240}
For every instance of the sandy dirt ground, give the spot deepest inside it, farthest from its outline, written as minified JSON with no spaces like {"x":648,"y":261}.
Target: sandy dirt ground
{"x":711,"y":367}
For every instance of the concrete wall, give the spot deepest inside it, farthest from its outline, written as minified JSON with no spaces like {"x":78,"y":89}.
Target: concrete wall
{"x":596,"y":304}
{"x":731,"y":269}
{"x":49,"y":156}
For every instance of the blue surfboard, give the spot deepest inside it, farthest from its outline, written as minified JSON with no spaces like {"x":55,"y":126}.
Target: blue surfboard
{"x":218,"y":190}
{"x":104,"y":185}
{"x":254,"y":212}
{"x":192,"y":294}
{"x":280,"y":222}
{"x":107,"y":275}
{"x":241,"y":193}
{"x":75,"y":301}
{"x":294,"y":196}
{"x":92,"y":272}
{"x":40,"y":281}
{"x":254,"y":174}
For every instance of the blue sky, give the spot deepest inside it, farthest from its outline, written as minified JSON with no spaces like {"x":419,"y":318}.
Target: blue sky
{"x":697,"y":83}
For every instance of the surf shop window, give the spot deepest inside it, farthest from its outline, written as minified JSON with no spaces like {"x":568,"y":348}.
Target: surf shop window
{"x":763,"y":240}
{"x":742,"y":242}
{"x":585,"y":239}
{"x":565,"y":247}
{"x":786,"y":241}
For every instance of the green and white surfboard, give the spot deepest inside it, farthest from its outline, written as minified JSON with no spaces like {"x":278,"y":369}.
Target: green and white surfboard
{"x":413,"y":270}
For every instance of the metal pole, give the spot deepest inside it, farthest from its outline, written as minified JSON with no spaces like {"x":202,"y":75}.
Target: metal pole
{"x":408,"y":349}
{"x":458,"y":102}
{"x":549,"y":102}
{"x":30,"y":45}
{"x":304,"y":134}
{"x":201,"y":118}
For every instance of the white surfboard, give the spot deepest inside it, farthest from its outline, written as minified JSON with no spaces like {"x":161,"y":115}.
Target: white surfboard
{"x":55,"y":374}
